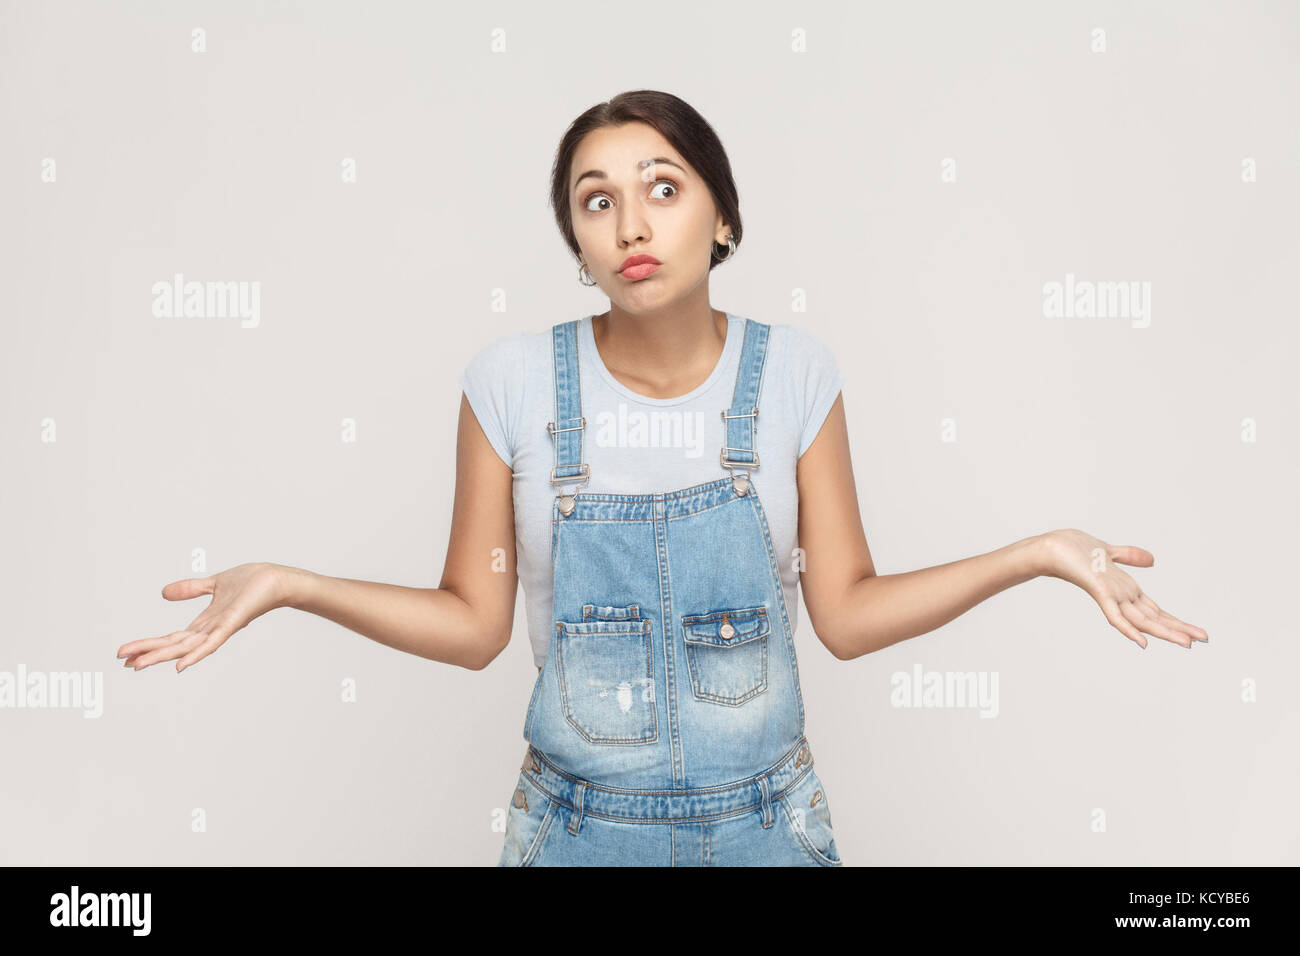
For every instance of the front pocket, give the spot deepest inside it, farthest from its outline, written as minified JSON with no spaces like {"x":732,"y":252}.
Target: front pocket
{"x":808,"y":815}
{"x":530,"y":815}
{"x":726,"y":654}
{"x":606,"y":671}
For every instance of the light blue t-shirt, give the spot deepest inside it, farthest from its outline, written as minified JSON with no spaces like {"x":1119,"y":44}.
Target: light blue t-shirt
{"x":640,"y":445}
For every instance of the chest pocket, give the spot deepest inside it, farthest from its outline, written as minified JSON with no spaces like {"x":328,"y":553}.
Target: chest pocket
{"x":726,"y":654}
{"x":606,"y":678}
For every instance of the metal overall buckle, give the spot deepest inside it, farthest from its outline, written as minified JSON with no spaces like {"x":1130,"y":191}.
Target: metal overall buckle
{"x":567,"y":501}
{"x":741,"y":484}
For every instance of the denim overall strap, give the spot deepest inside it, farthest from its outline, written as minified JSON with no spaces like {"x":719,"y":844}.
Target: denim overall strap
{"x":569,"y":424}
{"x":740,"y":426}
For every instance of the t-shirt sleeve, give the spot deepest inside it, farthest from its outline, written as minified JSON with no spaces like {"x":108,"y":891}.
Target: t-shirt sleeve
{"x":493,"y":381}
{"x":816,"y":380}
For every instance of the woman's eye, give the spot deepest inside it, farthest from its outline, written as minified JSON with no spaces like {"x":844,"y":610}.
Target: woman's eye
{"x":659,"y":184}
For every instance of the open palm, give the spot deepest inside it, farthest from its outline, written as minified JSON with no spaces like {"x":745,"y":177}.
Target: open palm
{"x":239,"y":595}
{"x":1090,"y":563}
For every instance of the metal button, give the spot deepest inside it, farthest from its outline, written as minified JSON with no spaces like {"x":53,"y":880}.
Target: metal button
{"x":803,"y":756}
{"x":741,"y":485}
{"x":533,"y":763}
{"x":727,"y":631}
{"x":566,"y":505}
{"x":520,"y":800}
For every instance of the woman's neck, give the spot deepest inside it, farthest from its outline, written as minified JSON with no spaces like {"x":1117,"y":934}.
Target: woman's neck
{"x":661,"y":356}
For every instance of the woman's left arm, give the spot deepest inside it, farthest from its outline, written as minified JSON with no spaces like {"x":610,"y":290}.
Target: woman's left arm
{"x":856,"y":611}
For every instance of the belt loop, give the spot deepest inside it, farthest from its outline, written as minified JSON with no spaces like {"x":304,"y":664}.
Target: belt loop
{"x":576,"y":821}
{"x":767,"y":801}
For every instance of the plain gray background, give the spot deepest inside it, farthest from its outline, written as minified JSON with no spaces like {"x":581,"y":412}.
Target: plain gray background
{"x":1123,"y":164}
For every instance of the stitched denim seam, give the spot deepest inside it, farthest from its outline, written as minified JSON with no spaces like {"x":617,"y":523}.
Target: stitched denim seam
{"x":720,"y":815}
{"x":591,"y":612}
{"x":650,"y":520}
{"x":698,"y":818}
{"x":723,"y":643}
{"x":688,"y":492}
{"x":662,"y":821}
{"x":635,"y":625}
{"x":740,"y":614}
{"x":669,"y":642}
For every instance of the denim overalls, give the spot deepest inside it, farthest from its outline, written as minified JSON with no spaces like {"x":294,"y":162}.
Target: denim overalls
{"x":666,"y":726}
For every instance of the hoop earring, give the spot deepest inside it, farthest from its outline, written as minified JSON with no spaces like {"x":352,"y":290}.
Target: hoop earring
{"x":731,"y":249}
{"x":587,"y":272}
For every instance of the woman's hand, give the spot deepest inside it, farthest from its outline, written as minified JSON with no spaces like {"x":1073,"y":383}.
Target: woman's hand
{"x":1081,"y":559}
{"x":239,"y":595}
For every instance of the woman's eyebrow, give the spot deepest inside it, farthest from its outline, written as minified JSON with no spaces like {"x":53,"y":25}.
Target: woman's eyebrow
{"x":601,"y":174}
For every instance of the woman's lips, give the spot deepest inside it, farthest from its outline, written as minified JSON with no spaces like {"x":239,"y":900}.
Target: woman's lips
{"x":639,"y":271}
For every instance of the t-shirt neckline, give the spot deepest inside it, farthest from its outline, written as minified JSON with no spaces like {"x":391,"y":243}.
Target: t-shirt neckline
{"x":729,"y":348}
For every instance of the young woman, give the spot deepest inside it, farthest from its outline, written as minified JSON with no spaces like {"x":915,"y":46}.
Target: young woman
{"x":666,"y":724}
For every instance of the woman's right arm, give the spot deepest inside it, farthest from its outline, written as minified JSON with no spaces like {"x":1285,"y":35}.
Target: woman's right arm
{"x":466,"y":620}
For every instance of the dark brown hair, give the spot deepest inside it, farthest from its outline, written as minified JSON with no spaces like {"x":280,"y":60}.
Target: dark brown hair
{"x":679,"y":123}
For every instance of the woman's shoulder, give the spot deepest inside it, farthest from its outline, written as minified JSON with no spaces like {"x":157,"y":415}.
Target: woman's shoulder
{"x":797,"y":335}
{"x":812,"y":378}
{"x":798,"y":348}
{"x":511,"y":349}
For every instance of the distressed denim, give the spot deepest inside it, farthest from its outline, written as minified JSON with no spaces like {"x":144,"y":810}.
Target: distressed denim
{"x":666,"y":727}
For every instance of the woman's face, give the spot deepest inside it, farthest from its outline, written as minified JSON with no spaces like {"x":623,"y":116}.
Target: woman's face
{"x":631,"y":193}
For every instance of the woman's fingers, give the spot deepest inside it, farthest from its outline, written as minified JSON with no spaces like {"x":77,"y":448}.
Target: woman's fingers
{"x":1131,"y":554}
{"x":170,"y":651}
{"x":247,"y":591}
{"x":214,"y":640}
{"x":1119,"y":621}
{"x":133,"y":653}
{"x":188,"y":588}
{"x":135,"y":648}
{"x":1153,"y":611}
{"x":1153,"y":627}
{"x":1191,"y":630}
